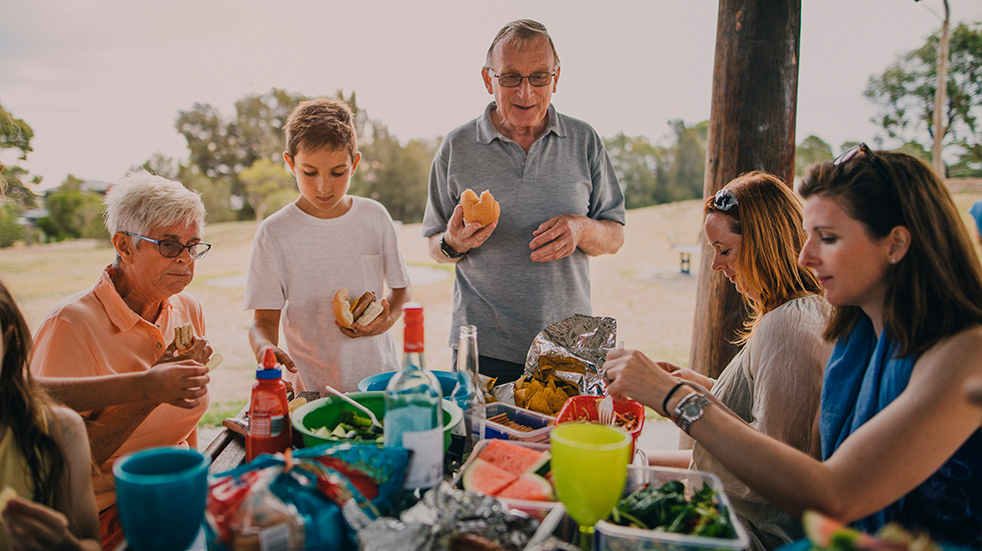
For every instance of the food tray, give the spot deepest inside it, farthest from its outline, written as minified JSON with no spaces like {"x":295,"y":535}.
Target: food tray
{"x":536,"y":509}
{"x":540,"y":424}
{"x":584,"y":408}
{"x":611,"y":537}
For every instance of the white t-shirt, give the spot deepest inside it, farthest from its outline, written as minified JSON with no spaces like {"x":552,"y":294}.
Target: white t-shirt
{"x":299,"y":262}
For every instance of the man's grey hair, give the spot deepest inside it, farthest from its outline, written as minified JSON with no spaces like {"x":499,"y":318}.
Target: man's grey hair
{"x":143,"y":202}
{"x":521,"y":33}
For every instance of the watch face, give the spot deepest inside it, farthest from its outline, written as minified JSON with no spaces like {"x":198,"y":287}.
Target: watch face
{"x":692,"y":408}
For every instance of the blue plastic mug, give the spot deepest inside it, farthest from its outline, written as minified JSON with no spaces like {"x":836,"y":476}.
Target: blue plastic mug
{"x":161,"y":494}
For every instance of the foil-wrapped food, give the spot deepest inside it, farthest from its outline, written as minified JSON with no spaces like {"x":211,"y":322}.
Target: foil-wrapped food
{"x":566,"y":359}
{"x":448,"y":518}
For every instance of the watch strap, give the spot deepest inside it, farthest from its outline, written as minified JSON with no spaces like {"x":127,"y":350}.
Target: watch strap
{"x":689,"y":410}
{"x":449,"y":251}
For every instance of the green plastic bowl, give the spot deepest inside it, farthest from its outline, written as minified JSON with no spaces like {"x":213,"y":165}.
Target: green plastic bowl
{"x":326,"y":412}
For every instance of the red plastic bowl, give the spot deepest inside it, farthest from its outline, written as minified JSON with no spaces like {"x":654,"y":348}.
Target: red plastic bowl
{"x":584,"y":408}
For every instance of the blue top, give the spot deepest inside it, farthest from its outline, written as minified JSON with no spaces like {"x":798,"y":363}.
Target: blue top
{"x":498,"y":288}
{"x":976,"y":211}
{"x":862,"y":377}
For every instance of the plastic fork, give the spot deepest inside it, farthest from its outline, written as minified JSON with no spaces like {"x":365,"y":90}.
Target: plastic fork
{"x":346,"y":398}
{"x":605,"y":408}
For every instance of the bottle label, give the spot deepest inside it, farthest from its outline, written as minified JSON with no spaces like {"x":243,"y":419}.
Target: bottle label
{"x":426,"y":463}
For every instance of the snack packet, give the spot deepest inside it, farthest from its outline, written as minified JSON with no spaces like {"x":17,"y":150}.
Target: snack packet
{"x":573,"y":350}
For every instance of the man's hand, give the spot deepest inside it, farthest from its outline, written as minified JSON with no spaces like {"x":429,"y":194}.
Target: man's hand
{"x":180,"y":384}
{"x":557,"y":237}
{"x":466,"y":237}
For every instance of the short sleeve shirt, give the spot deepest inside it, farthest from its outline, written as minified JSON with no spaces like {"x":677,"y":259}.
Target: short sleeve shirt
{"x":299,"y":262}
{"x":497,"y":286}
{"x":94,"y":333}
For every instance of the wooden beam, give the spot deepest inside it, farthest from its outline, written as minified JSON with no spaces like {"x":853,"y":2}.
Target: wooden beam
{"x":751,"y":127}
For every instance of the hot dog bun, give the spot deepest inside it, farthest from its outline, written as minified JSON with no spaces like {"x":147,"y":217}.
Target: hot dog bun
{"x":362,"y":311}
{"x":484,"y":210}
{"x":183,"y":337}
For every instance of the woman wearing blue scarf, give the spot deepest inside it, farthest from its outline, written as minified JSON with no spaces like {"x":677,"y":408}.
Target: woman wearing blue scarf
{"x":900,"y":437}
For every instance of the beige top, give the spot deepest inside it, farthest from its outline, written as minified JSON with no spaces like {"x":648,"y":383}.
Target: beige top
{"x":774,"y":383}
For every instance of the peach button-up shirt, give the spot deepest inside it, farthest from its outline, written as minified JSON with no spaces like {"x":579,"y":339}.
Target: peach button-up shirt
{"x":94,"y":333}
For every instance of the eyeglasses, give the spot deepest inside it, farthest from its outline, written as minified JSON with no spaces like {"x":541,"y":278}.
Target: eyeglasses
{"x":172,"y":249}
{"x":724,"y":200}
{"x":513,"y":80}
{"x":877,"y":163}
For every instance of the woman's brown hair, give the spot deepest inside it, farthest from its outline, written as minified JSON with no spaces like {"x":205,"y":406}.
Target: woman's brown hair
{"x":767,"y":216}
{"x":23,"y":405}
{"x":936,"y":289}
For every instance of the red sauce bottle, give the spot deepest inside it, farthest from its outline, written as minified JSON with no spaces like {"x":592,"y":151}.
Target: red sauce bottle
{"x":269,"y":412}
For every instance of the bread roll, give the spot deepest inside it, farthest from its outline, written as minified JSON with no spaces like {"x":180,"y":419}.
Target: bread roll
{"x":484,"y":210}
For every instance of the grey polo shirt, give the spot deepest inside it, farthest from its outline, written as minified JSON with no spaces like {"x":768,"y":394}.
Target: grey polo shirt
{"x":497,"y":287}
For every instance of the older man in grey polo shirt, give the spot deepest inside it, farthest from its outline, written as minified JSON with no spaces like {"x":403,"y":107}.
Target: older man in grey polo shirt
{"x":560,"y":203}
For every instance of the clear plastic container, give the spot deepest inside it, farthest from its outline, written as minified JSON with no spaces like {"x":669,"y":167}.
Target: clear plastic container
{"x":611,"y":537}
{"x":540,"y":424}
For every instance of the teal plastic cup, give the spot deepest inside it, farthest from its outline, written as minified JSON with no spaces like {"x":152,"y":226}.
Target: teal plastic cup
{"x":161,"y":494}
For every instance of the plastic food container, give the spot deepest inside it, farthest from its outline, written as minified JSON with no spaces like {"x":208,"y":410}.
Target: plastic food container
{"x":536,"y":509}
{"x":611,"y":537}
{"x":540,"y":424}
{"x":584,"y":408}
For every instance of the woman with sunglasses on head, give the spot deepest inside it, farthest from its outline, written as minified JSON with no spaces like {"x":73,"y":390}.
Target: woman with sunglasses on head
{"x":125,"y":326}
{"x":900,"y":437}
{"x":754,"y":228}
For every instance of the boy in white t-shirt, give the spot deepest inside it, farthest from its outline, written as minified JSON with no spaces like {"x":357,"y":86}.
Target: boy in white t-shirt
{"x":324,"y":241}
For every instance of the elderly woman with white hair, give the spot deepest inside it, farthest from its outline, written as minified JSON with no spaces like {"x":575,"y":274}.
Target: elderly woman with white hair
{"x":122,"y":330}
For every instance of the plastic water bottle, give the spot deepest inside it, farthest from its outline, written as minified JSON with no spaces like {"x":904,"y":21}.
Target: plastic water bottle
{"x":469,"y":392}
{"x":413,"y":409}
{"x":269,"y":412}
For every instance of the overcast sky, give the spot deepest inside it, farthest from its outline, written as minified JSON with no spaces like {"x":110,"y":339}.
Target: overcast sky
{"x":101,"y":81}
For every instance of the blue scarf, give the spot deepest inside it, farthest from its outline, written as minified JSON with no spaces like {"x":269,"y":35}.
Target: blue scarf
{"x":862,"y":377}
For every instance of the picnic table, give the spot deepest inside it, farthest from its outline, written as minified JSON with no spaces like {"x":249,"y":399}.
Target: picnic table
{"x":686,"y":252}
{"x":227,"y":450}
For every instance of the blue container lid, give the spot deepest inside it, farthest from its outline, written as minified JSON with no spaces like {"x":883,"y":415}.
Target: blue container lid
{"x":268,"y":373}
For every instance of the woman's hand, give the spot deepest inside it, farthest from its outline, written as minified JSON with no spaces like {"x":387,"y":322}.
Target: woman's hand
{"x":32,"y":526}
{"x":631,"y":374}
{"x":180,"y":384}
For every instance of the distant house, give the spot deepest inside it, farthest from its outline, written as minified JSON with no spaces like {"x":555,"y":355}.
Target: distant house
{"x":30,"y":218}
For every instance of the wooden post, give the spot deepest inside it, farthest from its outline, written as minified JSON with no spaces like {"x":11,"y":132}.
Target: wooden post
{"x":751,"y":127}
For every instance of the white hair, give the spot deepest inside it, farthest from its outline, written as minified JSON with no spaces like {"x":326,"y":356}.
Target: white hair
{"x":143,"y":202}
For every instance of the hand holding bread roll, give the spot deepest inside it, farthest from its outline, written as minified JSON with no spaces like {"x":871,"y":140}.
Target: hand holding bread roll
{"x":484,"y":210}
{"x":362,"y":311}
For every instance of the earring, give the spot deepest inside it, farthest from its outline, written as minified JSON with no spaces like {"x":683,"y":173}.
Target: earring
{"x":893,"y":261}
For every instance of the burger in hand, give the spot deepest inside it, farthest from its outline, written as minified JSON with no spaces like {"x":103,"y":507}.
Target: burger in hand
{"x":362,"y":311}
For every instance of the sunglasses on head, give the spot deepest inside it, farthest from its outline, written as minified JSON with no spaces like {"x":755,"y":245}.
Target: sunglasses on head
{"x":862,"y":147}
{"x":724,"y":200}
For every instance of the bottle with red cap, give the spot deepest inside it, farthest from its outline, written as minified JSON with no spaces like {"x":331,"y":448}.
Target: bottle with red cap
{"x":414,"y":411}
{"x":269,"y":411}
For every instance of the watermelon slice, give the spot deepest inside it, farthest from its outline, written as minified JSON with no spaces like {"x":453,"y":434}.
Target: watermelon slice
{"x":828,"y":533}
{"x":513,"y":458}
{"x":483,"y":477}
{"x":530,"y":487}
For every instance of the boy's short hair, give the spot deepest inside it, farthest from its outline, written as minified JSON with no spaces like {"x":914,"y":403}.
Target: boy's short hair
{"x":320,"y":123}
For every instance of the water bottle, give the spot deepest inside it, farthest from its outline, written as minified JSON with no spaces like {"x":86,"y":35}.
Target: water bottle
{"x":414,"y":409}
{"x":469,"y":392}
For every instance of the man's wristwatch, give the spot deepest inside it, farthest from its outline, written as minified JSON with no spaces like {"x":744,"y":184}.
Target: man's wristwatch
{"x":690,"y":410}
{"x":449,"y":251}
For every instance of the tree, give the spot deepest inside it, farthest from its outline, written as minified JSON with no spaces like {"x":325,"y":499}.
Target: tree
{"x":639,"y":168}
{"x":906,"y":92}
{"x":73,"y":213}
{"x":688,"y":161}
{"x":17,"y":134}
{"x":809,"y":151}
{"x":392,"y":174}
{"x":268,"y":186}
